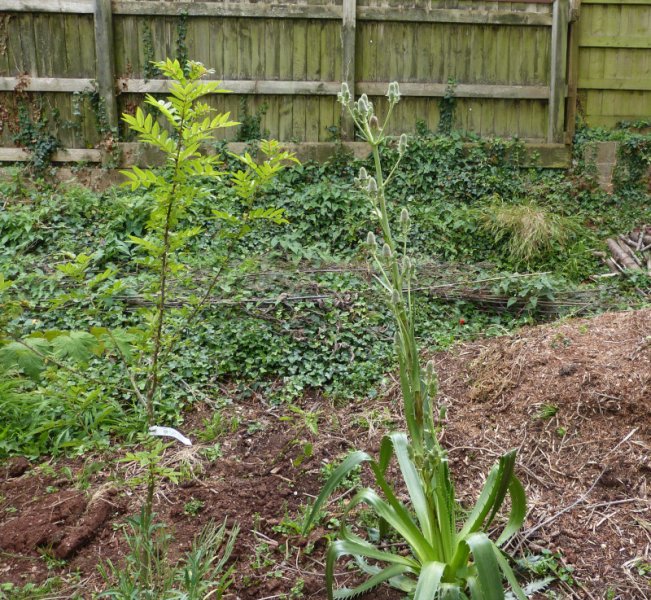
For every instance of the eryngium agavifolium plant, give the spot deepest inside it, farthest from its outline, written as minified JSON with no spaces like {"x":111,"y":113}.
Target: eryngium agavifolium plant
{"x":450,"y":552}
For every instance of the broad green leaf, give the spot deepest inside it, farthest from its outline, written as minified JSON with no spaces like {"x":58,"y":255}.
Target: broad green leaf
{"x":488,"y":572}
{"x":26,"y":356}
{"x":429,"y":581}
{"x":414,"y":485}
{"x":492,"y":494}
{"x":518,"y":511}
{"x":76,"y":345}
{"x":400,"y":520}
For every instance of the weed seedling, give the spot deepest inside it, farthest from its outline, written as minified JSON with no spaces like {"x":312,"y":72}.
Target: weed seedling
{"x":193,"y":507}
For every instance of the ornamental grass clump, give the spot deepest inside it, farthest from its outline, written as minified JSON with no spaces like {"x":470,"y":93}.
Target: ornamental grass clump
{"x":450,"y":552}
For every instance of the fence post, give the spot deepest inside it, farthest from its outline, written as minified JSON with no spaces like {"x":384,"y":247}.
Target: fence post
{"x":572,"y":72}
{"x":105,"y":60}
{"x":557,"y":87}
{"x":348,"y":25}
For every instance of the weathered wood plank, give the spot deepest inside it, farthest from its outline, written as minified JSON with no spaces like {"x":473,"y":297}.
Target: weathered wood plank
{"x":299,"y":54}
{"x":529,"y":92}
{"x":105,"y":60}
{"x":555,"y":131}
{"x":68,"y":155}
{"x":46,"y":84}
{"x":286,"y":72}
{"x":294,"y":88}
{"x":269,"y":10}
{"x":300,"y":88}
{"x":349,"y":49}
{"x":615,"y":84}
{"x":618,"y":2}
{"x":545,"y":155}
{"x":611,"y":41}
{"x":53,"y":6}
{"x":572,"y":82}
{"x":452,"y":15}
{"x":231,"y":9}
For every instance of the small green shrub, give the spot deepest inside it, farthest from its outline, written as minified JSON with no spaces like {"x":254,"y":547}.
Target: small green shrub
{"x":148,"y":573}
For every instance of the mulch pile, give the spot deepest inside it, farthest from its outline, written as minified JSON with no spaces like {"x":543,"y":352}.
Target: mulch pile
{"x":574,"y":397}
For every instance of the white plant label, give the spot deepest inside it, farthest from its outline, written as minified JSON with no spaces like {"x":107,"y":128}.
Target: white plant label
{"x":169,"y":432}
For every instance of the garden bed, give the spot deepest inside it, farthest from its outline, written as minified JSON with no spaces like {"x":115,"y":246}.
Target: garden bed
{"x":573,"y":396}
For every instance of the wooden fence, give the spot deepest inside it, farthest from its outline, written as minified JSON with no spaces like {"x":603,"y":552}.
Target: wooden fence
{"x":615,"y":61}
{"x":509,"y":62}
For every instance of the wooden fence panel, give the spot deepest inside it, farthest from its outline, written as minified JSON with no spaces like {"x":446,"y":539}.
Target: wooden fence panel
{"x":289,"y":57}
{"x":615,"y":61}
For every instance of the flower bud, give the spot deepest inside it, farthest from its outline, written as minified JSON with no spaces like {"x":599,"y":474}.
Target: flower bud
{"x":371,"y":242}
{"x":344,"y":95}
{"x":374,"y":123}
{"x":406,"y":266}
{"x":386,"y":251}
{"x":364,"y":106}
{"x":393,"y":93}
{"x":405,"y":221}
{"x":372,"y":185}
{"x":429,"y":370}
{"x":395,"y":297}
{"x":363,"y":174}
{"x":402,"y":144}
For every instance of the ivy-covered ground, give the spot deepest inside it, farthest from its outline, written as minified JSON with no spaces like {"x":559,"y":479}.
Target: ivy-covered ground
{"x":291,"y":362}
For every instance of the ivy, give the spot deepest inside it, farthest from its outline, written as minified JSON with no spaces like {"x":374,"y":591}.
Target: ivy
{"x":33,"y":135}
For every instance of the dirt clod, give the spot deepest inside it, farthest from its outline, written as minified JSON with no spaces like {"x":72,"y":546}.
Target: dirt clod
{"x":16,"y":466}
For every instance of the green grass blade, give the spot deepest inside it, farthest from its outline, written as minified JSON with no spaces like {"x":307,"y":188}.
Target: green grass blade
{"x":351,"y":461}
{"x":446,"y":509}
{"x":504,"y":476}
{"x":429,"y":581}
{"x":518,"y":511}
{"x":400,"y":520}
{"x":492,"y":495}
{"x":343,"y":548}
{"x":509,"y":574}
{"x":414,"y":486}
{"x":488,"y":571}
{"x":357,"y":546}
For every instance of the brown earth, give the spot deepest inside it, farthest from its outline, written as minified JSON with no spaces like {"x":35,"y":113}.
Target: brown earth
{"x":574,"y":397}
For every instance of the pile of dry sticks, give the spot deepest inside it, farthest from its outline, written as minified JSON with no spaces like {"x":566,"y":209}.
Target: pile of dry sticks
{"x":630,"y":252}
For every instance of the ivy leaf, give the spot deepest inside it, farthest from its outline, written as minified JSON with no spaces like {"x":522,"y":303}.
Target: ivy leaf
{"x":77,"y":345}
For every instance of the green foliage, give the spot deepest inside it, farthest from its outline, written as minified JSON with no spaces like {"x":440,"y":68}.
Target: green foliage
{"x":148,"y":572}
{"x":182,"y":55}
{"x":251,"y":129}
{"x":530,"y":231}
{"x":527,"y":293}
{"x":151,"y":71}
{"x":33,"y":134}
{"x":444,"y":561}
{"x":447,"y":109}
{"x":632,"y":172}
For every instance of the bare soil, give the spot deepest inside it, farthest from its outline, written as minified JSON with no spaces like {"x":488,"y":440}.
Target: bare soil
{"x":574,"y":397}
